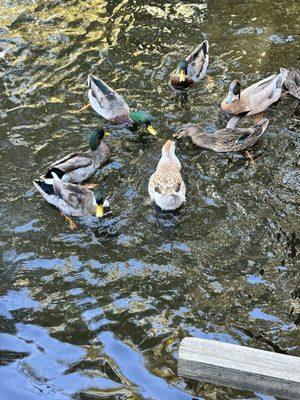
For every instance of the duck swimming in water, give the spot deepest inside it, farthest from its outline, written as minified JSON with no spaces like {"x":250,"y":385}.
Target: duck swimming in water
{"x":71,"y":199}
{"x":253,"y":100}
{"x":224,"y":140}
{"x":77,"y":167}
{"x":111,"y":106}
{"x":166,"y":186}
{"x":191,"y":70}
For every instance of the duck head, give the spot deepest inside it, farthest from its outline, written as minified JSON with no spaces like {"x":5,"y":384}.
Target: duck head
{"x":234,"y":91}
{"x":101,"y":202}
{"x":143,"y":119}
{"x":95,"y":139}
{"x":182,"y":70}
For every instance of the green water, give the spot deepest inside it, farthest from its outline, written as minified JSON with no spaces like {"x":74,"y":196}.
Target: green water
{"x":99,"y":312}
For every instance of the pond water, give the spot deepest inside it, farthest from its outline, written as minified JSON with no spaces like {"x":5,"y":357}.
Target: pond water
{"x":99,"y":312}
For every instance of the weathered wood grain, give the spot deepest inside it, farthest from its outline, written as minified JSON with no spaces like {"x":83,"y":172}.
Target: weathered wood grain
{"x":240,"y":367}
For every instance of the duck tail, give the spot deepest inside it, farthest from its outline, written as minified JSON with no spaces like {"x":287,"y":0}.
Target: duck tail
{"x":205,"y":47}
{"x":55,"y":176}
{"x":263,"y":123}
{"x":101,"y":85}
{"x":44,"y":186}
{"x":281,"y":77}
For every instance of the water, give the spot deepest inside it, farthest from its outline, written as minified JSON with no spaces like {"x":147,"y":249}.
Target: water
{"x":99,"y":312}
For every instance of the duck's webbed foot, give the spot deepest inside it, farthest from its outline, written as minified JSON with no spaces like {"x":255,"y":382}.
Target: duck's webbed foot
{"x":90,"y":185}
{"x":70,"y":222}
{"x":248,"y":155}
{"x":259,"y":116}
{"x":85,"y":107}
{"x":209,"y":81}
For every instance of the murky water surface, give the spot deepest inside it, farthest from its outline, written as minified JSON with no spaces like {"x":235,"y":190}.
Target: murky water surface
{"x":99,"y":312}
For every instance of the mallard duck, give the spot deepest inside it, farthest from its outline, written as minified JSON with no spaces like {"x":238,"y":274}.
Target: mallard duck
{"x":77,"y":167}
{"x":254,"y":99}
{"x":292,"y":82}
{"x":191,"y":70}
{"x":224,"y":140}
{"x":111,"y":106}
{"x":71,"y":199}
{"x":166,"y":186}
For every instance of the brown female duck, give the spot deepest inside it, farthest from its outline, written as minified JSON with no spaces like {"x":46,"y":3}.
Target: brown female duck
{"x":224,"y":140}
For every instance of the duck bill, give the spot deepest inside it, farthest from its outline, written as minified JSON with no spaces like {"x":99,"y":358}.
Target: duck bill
{"x":99,"y":211}
{"x":229,"y":98}
{"x":182,"y":75}
{"x":106,"y":134}
{"x":179,"y":134}
{"x":151,"y":130}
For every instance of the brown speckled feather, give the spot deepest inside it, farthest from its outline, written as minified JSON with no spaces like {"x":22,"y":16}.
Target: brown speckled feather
{"x":224,"y":140}
{"x":75,"y":196}
{"x":292,"y":82}
{"x":166,"y":186}
{"x":166,"y":180}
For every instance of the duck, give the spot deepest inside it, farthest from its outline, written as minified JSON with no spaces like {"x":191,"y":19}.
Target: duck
{"x":191,"y":70}
{"x":292,"y":82}
{"x":226,"y":139}
{"x":166,"y":186}
{"x":78,"y":167}
{"x":111,"y":106}
{"x":253,"y":100}
{"x":71,"y":199}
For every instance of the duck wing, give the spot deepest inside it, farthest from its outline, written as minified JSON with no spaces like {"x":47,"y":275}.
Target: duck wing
{"x":167,"y":182}
{"x":227,"y":139}
{"x":198,"y":61}
{"x":77,"y":197}
{"x":70,"y":163}
{"x":239,"y":139}
{"x":264,"y":93}
{"x":106,"y":101}
{"x":258,"y":86}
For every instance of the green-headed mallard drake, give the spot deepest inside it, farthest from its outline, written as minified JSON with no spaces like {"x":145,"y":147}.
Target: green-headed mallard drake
{"x":292,"y":82}
{"x":224,"y":140}
{"x":191,"y":70}
{"x":77,"y":167}
{"x":111,"y":106}
{"x":166,"y":186}
{"x":254,"y":99}
{"x":72,"y":199}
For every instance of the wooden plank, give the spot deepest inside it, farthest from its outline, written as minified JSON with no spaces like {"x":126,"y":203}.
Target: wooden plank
{"x":240,"y":367}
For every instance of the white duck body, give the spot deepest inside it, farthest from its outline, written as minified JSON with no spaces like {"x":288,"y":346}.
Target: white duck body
{"x":166,"y":186}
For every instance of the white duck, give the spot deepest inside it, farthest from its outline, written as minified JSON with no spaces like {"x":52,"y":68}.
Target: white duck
{"x":166,"y":186}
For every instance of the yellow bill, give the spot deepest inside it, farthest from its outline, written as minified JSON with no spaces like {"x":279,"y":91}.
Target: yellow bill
{"x":99,"y":211}
{"x":106,"y":134}
{"x":151,"y":130}
{"x":182,"y":75}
